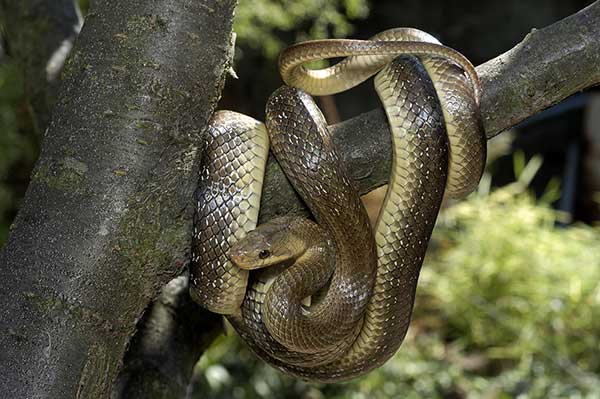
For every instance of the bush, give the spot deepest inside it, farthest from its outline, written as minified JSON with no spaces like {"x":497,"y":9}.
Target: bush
{"x":261,"y":23}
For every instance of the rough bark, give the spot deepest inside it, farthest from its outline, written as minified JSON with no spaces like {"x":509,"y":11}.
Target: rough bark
{"x":173,"y":334}
{"x":106,"y":219}
{"x":40,"y":34}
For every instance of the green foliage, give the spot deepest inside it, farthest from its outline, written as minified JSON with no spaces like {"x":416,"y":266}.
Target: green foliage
{"x":84,"y":6}
{"x":259,"y":23}
{"x":507,"y":306}
{"x":15,"y":148}
{"x":518,"y":291}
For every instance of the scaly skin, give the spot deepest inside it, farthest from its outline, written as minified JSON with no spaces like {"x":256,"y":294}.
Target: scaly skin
{"x":464,"y":126}
{"x":403,"y":229}
{"x":458,"y":94}
{"x":337,"y":79}
{"x":346,"y":331}
{"x":228,"y":200}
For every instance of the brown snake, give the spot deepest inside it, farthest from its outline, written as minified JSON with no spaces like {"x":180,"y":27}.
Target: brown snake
{"x":361,"y":287}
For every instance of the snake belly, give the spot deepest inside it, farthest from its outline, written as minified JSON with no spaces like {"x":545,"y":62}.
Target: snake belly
{"x":373,"y":331}
{"x":228,"y":196}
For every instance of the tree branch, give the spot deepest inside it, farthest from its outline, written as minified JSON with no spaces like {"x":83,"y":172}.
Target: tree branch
{"x":71,"y":307}
{"x":548,"y":66}
{"x":174,"y":333}
{"x":106,"y":219}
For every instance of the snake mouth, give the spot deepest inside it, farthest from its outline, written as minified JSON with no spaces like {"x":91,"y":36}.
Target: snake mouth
{"x":252,"y":253}
{"x":241,"y":258}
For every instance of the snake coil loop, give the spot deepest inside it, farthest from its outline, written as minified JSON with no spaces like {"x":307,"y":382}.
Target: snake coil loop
{"x":331,"y":300}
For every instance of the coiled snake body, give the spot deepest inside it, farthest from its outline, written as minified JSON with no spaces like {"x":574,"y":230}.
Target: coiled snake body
{"x":361,"y":287}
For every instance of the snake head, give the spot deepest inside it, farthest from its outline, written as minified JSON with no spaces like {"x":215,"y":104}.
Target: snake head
{"x":272,"y":243}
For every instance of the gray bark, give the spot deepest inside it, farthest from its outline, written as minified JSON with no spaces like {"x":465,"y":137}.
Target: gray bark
{"x":106,"y":219}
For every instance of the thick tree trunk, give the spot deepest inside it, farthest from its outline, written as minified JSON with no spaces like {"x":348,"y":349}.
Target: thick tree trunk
{"x":105,"y":222}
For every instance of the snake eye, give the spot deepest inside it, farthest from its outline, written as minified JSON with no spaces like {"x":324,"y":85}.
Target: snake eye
{"x":264,"y":254}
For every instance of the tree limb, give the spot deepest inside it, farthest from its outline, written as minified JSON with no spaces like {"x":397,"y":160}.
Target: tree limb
{"x":106,"y":219}
{"x":549,"y":65}
{"x":90,"y":268}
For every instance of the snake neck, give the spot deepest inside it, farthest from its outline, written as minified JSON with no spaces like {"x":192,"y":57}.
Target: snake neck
{"x":290,"y":315}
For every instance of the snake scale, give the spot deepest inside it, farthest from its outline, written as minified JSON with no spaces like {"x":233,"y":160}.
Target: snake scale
{"x":327,"y":299}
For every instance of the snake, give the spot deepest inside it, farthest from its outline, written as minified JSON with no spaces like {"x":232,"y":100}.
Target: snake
{"x":330,"y":298}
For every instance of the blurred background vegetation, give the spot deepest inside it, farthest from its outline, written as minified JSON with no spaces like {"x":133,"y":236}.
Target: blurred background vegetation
{"x":18,"y":146}
{"x":508,"y":300}
{"x":507,"y":306}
